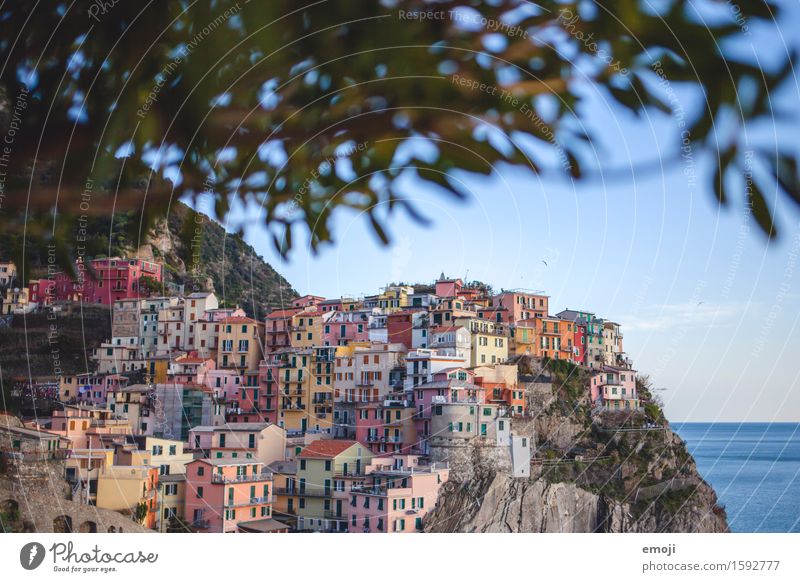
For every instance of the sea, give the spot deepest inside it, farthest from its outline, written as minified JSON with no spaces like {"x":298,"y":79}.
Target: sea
{"x":753,"y":467}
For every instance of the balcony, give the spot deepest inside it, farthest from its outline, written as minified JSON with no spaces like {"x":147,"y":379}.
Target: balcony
{"x":252,"y":501}
{"x":217,"y":478}
{"x":384,"y":439}
{"x":368,"y":490}
{"x":350,"y":472}
{"x":290,"y":491}
{"x":334,"y":515}
{"x":200,"y":524}
{"x":314,"y":492}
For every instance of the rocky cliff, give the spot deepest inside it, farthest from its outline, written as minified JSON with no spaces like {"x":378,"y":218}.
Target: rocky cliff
{"x":590,"y":473}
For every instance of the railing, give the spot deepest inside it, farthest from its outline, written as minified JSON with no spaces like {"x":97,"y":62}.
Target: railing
{"x":384,"y":439}
{"x":314,"y":493}
{"x":200,"y":524}
{"x":252,"y":501}
{"x":350,"y":472}
{"x":368,"y":490}
{"x":285,"y":491}
{"x":333,"y":515}
{"x":216,"y":478}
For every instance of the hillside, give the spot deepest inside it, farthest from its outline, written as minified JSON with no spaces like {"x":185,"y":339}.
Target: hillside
{"x":200,"y":255}
{"x":608,"y":473}
{"x":195,"y":250}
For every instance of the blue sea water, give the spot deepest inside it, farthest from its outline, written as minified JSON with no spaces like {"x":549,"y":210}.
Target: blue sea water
{"x":754,"y":468}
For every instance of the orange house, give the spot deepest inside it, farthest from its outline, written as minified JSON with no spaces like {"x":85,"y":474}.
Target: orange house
{"x":552,"y":337}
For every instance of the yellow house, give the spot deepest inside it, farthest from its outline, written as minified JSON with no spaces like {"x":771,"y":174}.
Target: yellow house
{"x":394,"y":297}
{"x":305,"y":329}
{"x":489,"y":341}
{"x":294,"y":386}
{"x":323,"y":365}
{"x":16,"y":300}
{"x":285,"y":500}
{"x":171,"y":499}
{"x":524,"y":341}
{"x":167,"y":455}
{"x":131,"y":489}
{"x":241,"y":341}
{"x":157,"y":368}
{"x":83,"y":468}
{"x":326,"y":469}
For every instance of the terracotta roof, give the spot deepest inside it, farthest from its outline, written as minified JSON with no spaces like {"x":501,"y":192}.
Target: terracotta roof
{"x":324,"y":448}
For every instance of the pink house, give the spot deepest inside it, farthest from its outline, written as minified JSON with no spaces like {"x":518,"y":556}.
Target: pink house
{"x":276,"y":330}
{"x":449,"y":386}
{"x":346,"y":326}
{"x":222,"y":495}
{"x":190,"y":369}
{"x":330,"y":305}
{"x":387,"y":426}
{"x":519,"y":305}
{"x":397,"y":494}
{"x":92,"y":389}
{"x":614,"y":389}
{"x":448,"y":287}
{"x":307,"y":301}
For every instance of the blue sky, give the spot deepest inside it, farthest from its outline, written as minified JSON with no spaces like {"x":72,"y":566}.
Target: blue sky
{"x":708,"y":308}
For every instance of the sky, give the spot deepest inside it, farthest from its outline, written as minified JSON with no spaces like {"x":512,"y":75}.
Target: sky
{"x":709,"y":309}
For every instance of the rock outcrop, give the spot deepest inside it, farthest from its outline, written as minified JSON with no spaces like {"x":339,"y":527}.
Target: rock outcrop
{"x":499,"y":503}
{"x":590,"y":473}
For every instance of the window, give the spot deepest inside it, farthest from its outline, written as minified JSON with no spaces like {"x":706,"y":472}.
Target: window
{"x":327,"y":465}
{"x":302,"y":464}
{"x":200,"y":492}
{"x":201,"y":471}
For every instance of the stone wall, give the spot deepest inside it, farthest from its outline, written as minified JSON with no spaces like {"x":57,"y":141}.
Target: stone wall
{"x":34,"y":497}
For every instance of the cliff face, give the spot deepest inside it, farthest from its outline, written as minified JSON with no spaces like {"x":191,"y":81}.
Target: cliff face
{"x":499,"y":503}
{"x":589,"y":474}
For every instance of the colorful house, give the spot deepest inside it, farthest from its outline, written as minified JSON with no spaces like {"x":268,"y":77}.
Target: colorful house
{"x":521,"y":304}
{"x":241,"y":341}
{"x":614,"y":389}
{"x":221,"y":494}
{"x":396,"y":495}
{"x":259,"y":441}
{"x":326,"y":471}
